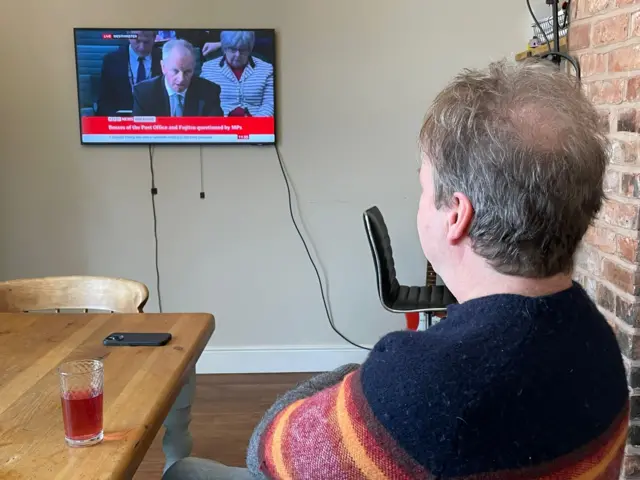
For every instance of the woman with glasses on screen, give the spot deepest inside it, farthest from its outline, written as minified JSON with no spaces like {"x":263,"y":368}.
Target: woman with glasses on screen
{"x":246,"y":82}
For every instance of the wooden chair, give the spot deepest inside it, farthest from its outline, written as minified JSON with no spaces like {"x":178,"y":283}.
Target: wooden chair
{"x":115,"y":295}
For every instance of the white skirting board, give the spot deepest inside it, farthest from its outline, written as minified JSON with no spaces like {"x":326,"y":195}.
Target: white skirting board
{"x":277,"y":359}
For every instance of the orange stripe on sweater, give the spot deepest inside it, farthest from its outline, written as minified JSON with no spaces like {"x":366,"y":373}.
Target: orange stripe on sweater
{"x":276,"y":441}
{"x":595,"y":465}
{"x":613,"y":450}
{"x":598,"y":464}
{"x":382,"y":449}
{"x":350,"y":439}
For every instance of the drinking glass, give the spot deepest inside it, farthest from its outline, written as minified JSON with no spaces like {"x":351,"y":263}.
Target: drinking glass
{"x":81,"y":392}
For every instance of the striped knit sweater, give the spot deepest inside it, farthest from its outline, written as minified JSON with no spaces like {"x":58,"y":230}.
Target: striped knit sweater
{"x":507,"y":387}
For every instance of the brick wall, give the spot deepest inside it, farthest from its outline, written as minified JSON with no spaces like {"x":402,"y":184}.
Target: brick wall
{"x":605,"y":36}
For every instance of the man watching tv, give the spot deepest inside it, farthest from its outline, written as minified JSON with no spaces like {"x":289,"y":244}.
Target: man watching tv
{"x":177,"y":92}
{"x":524,"y":378}
{"x":121,"y":70}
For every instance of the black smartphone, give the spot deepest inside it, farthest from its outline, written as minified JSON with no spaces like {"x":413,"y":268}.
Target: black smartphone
{"x":131,"y":339}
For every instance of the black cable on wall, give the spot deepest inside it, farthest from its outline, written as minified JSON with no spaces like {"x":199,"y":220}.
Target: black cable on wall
{"x":154,"y":192}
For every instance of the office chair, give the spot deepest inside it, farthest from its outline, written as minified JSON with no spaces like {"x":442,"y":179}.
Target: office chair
{"x":429,"y":299}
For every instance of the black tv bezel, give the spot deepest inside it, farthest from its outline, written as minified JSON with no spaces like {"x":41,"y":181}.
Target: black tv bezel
{"x":203,"y":144}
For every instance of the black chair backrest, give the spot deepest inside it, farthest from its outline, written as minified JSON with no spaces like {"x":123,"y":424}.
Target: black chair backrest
{"x":382,"y":253}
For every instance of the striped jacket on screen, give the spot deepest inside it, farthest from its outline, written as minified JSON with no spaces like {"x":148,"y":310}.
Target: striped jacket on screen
{"x":254,"y":90}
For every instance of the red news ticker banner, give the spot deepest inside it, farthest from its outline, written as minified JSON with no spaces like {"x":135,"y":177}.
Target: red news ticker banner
{"x":178,"y":125}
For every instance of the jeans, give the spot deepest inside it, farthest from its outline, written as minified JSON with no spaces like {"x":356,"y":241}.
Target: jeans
{"x":200,"y":469}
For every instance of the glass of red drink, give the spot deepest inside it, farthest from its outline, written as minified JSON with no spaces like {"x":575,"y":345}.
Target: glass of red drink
{"x":81,"y":391}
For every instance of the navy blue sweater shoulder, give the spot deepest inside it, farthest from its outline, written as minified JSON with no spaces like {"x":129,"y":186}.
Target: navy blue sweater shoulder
{"x":505,"y":382}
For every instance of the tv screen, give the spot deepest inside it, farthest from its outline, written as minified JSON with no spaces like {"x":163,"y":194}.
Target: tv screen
{"x":176,"y":86}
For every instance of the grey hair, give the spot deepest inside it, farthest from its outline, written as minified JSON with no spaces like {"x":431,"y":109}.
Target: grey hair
{"x":524,"y":144}
{"x":237,"y":39}
{"x":168,"y":47}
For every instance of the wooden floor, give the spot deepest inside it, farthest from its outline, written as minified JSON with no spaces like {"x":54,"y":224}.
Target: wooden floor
{"x":226,"y":410}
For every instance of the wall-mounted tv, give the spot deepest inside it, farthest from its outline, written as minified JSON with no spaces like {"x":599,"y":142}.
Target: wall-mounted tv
{"x":155,"y":86}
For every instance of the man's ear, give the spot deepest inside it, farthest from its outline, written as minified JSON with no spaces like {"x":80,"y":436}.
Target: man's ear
{"x":459,"y":217}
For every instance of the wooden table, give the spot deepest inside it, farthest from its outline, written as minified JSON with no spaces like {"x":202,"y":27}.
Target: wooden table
{"x":141,"y":384}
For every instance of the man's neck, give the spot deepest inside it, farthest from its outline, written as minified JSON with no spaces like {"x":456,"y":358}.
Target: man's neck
{"x":136,"y":55}
{"x":491,"y":282}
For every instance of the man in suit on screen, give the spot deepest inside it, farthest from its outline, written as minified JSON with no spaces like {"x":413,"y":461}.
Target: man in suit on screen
{"x":132,"y":63}
{"x":177,"y":92}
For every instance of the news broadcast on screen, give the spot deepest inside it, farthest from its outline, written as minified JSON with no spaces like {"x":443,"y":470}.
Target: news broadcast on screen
{"x":176,"y":86}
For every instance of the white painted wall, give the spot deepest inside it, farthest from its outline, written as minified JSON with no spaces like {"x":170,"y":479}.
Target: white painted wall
{"x":354,"y":81}
{"x":540,"y":8}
